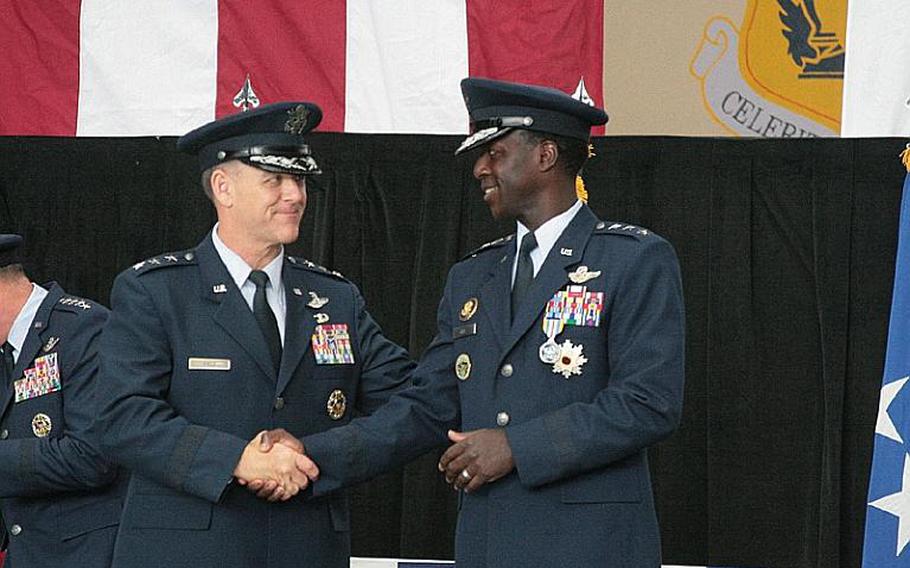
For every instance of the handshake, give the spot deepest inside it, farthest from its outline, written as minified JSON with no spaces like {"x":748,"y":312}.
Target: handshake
{"x":275,"y":466}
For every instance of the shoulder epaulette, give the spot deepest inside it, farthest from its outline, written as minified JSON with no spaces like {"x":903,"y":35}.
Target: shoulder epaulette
{"x":490,"y":246}
{"x":313,"y":267}
{"x":609,"y":228}
{"x":75,"y":303}
{"x":183,"y":258}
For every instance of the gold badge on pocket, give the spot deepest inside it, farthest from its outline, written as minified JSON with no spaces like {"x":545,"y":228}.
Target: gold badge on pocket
{"x":336,"y":405}
{"x":42,"y":425}
{"x":463,"y":367}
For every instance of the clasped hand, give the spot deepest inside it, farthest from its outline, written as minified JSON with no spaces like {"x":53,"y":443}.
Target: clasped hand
{"x":476,"y":458}
{"x":275,"y":466}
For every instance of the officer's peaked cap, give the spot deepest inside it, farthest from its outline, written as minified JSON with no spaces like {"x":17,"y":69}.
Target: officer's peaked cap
{"x":497,"y":107}
{"x":269,"y":138}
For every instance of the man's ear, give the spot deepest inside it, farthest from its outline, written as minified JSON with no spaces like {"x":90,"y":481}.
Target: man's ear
{"x":222,"y":187}
{"x":548,"y":154}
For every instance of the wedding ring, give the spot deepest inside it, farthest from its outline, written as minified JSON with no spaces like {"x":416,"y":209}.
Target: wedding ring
{"x":465,"y":475}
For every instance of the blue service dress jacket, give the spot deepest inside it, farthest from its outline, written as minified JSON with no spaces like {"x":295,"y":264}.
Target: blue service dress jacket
{"x":191,"y":381}
{"x":579,"y":427}
{"x":59,"y":498}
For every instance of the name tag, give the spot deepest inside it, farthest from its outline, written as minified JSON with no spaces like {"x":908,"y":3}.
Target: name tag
{"x":464,"y":330}
{"x":207,"y":364}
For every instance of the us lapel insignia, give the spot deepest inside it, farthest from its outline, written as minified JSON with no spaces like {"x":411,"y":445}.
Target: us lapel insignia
{"x":570,"y":359}
{"x":51,"y":343}
{"x":42,"y":425}
{"x":468,"y":309}
{"x":297,"y":292}
{"x":219,"y":289}
{"x":581,"y":275}
{"x":321,"y":317}
{"x":336,"y":405}
{"x":565,"y":251}
{"x":316,"y":301}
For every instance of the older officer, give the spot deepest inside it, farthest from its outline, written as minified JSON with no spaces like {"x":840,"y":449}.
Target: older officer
{"x":209,"y":346}
{"x":58,"y":498}
{"x":566,"y":343}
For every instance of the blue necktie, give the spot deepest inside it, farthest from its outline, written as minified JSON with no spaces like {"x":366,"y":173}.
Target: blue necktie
{"x":265,"y":317}
{"x":524,"y":273}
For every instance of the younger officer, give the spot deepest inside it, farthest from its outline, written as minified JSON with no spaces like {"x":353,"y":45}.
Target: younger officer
{"x":209,"y":346}
{"x":57,"y":500}
{"x":565,"y":340}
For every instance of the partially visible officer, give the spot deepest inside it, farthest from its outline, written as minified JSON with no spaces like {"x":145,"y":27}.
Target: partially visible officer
{"x":59,"y":500}
{"x":566,"y":342}
{"x":210,"y":346}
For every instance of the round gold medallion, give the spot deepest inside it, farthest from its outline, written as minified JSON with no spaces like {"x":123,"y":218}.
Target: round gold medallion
{"x":336,"y":404}
{"x":41,"y":425}
{"x":468,"y":309}
{"x":463,"y":367}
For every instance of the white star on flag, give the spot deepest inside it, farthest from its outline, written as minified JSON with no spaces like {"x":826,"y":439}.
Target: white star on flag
{"x":898,"y":504}
{"x":884,"y":425}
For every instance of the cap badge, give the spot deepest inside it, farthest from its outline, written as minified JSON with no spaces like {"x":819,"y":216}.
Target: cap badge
{"x":297,"y":120}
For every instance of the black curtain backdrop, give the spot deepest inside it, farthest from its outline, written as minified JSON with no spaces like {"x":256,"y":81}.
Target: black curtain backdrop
{"x":787,"y":252}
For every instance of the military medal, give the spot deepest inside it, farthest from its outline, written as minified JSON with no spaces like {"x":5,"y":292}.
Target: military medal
{"x":553,"y":324}
{"x":332,"y":344}
{"x":42,"y":379}
{"x":42,"y":425}
{"x":463,"y":367}
{"x":468,"y":309}
{"x":573,"y":306}
{"x":336,"y":405}
{"x":570,"y":359}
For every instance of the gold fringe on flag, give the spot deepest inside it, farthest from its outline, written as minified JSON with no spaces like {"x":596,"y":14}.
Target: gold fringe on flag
{"x":580,"y":190}
{"x":905,"y":158}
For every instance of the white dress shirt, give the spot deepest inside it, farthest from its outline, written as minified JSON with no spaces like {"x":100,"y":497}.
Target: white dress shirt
{"x":546,"y":235}
{"x":23,"y":321}
{"x":240,"y":273}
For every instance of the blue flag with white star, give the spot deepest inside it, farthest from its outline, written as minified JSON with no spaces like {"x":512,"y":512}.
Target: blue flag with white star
{"x":888,"y":509}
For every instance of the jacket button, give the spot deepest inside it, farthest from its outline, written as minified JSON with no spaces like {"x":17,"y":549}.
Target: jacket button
{"x":4,"y":434}
{"x":506,"y":370}
{"x":502,"y":419}
{"x":279,"y":403}
{"x":15,"y":530}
